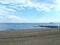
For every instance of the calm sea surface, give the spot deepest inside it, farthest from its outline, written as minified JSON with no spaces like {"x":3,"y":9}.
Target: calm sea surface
{"x":19,"y":26}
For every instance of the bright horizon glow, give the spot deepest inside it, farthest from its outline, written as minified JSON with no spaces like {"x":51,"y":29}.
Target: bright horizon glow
{"x":29,"y":11}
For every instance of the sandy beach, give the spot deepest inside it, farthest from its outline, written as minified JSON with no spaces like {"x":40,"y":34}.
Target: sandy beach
{"x":30,"y":37}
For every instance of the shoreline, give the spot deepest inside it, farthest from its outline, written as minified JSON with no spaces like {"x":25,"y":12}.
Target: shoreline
{"x":29,"y":32}
{"x":30,"y":37}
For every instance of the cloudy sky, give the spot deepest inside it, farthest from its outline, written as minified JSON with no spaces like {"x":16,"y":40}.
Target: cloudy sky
{"x":29,"y":11}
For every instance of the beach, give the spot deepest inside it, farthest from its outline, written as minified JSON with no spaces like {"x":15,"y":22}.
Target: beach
{"x":49,"y":36}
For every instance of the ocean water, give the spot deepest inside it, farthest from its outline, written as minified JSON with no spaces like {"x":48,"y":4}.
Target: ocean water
{"x":20,"y":26}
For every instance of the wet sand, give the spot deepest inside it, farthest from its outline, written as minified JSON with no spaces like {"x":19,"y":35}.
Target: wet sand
{"x":30,"y":37}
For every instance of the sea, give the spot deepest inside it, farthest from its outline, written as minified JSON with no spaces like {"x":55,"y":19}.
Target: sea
{"x":24,"y":26}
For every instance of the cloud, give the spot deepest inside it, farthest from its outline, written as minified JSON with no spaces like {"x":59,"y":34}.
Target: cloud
{"x":57,"y":1}
{"x":42,"y":5}
{"x":13,"y":18}
{"x":18,"y":19}
{"x":2,"y":10}
{"x":17,"y":5}
{"x":1,"y":17}
{"x":57,"y":5}
{"x":28,"y":3}
{"x":9,"y":9}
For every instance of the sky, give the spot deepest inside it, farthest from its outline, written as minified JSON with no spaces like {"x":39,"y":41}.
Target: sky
{"x":29,"y":11}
